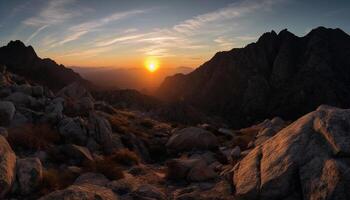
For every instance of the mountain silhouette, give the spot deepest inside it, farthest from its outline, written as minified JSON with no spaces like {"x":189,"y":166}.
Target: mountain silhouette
{"x":24,"y":61}
{"x":279,"y":75}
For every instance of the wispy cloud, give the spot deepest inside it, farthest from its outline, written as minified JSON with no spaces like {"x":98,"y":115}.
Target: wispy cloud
{"x":77,"y":31}
{"x":36,"y":33}
{"x":235,"y":10}
{"x":54,"y":12}
{"x":119,"y":39}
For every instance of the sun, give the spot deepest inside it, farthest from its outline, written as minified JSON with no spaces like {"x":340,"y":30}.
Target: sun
{"x":151,"y":64}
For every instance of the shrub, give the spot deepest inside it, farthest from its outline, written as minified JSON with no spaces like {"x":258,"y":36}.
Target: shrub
{"x":55,"y":179}
{"x":147,"y":123}
{"x":34,"y":137}
{"x":119,"y":123}
{"x":106,"y":167}
{"x":125,"y":157}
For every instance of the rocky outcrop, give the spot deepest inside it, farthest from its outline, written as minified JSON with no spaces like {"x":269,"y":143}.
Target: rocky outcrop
{"x":7,"y":166}
{"x":29,"y":174}
{"x":306,"y":160}
{"x":192,"y":138}
{"x":279,"y":75}
{"x":7,"y":111}
{"x":82,"y":191}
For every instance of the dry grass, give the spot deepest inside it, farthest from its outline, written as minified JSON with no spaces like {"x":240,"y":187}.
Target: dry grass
{"x":106,"y":167}
{"x":125,"y":157}
{"x":147,"y":123}
{"x":34,"y":137}
{"x":119,"y":123}
{"x":245,"y":136}
{"x":55,"y":179}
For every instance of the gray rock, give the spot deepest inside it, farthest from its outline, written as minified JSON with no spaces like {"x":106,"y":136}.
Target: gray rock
{"x":76,"y":153}
{"x":82,"y":191}
{"x":29,"y":174}
{"x":306,"y":160}
{"x":7,"y":112}
{"x":192,"y":138}
{"x":21,"y":99}
{"x":7,"y":167}
{"x":73,"y":130}
{"x":37,"y":91}
{"x":3,"y":132}
{"x":100,"y":130}
{"x":146,"y":192}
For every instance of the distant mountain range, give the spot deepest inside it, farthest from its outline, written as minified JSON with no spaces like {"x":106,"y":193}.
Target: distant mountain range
{"x":24,"y":61}
{"x":279,"y":75}
{"x":128,"y":78}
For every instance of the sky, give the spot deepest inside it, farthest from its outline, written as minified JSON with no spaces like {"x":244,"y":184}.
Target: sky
{"x":116,"y":33}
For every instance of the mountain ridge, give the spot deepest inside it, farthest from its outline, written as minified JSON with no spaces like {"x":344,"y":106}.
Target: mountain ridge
{"x":23,"y":60}
{"x":269,"y":77}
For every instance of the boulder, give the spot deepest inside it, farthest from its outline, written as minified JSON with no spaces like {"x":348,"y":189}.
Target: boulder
{"x":147,"y":192}
{"x":3,"y":132}
{"x":7,"y":167}
{"x":192,"y":138}
{"x":21,"y":99}
{"x":92,"y":178}
{"x":306,"y":160}
{"x":100,"y":130}
{"x":192,"y":170}
{"x":75,"y":90}
{"x":82,"y":191}
{"x":37,"y":91}
{"x":7,"y":112}
{"x":73,"y":130}
{"x":77,"y":154}
{"x":29,"y":174}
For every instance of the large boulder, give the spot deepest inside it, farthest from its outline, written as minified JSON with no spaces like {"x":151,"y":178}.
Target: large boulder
{"x":76,"y":153}
{"x":73,"y":130}
{"x":147,"y":192}
{"x":100,"y":130}
{"x":75,"y":90}
{"x":82,"y":191}
{"x":7,"y":111}
{"x":192,"y":170}
{"x":29,"y":174}
{"x":308,"y":160}
{"x":21,"y":99}
{"x":192,"y":138}
{"x":7,"y":166}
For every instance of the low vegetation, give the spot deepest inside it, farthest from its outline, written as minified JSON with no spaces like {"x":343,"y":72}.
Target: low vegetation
{"x":125,"y":157}
{"x":33,"y":137}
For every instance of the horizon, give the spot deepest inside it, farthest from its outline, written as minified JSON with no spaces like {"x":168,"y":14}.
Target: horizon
{"x":125,"y":34}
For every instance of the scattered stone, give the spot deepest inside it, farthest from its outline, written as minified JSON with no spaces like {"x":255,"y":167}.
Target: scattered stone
{"x":146,"y":192}
{"x":29,"y":174}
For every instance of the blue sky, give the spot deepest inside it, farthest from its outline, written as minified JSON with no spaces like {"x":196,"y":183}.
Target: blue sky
{"x":178,"y":33}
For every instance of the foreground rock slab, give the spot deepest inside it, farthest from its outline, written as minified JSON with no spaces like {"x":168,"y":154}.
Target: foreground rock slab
{"x":7,"y":166}
{"x":309,"y":159}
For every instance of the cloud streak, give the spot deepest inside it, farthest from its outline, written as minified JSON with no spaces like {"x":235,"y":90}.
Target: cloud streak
{"x":53,"y":13}
{"x":33,"y":35}
{"x":77,"y":31}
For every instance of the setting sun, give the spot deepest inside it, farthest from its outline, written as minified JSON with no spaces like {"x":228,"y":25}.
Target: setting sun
{"x":151,"y":64}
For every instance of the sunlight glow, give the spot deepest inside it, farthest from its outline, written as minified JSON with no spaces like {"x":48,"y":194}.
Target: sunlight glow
{"x":151,"y":64}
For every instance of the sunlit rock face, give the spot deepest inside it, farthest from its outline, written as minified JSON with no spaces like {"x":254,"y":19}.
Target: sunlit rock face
{"x":306,"y":160}
{"x":279,"y":75}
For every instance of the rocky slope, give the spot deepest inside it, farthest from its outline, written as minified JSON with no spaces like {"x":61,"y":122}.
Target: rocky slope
{"x":279,"y":75}
{"x":67,"y":145}
{"x":23,"y":60}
